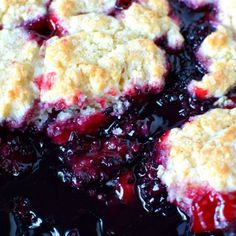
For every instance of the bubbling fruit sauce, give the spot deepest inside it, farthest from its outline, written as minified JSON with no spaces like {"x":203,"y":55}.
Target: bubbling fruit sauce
{"x":112,"y":166}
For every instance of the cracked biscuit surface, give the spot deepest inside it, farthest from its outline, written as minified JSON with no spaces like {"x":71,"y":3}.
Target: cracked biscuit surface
{"x":17,"y":12}
{"x":200,"y":154}
{"x":148,"y":19}
{"x":94,"y":22}
{"x":19,"y":58}
{"x":87,"y":66}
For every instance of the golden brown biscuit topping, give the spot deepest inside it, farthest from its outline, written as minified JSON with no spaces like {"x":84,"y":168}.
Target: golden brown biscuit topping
{"x":90,"y":65}
{"x":17,"y":12}
{"x":201,"y":154}
{"x":19,"y":64}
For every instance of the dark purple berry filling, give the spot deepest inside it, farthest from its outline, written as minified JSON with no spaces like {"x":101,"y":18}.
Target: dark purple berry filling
{"x":103,"y":183}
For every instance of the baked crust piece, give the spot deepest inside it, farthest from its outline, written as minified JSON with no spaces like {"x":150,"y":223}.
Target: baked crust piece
{"x":88,"y":66}
{"x":197,"y":165}
{"x":17,"y":12}
{"x":147,"y":18}
{"x":19,"y":64}
{"x":201,"y":154}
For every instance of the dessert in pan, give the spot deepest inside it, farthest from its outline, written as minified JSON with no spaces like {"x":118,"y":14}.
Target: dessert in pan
{"x":117,"y":117}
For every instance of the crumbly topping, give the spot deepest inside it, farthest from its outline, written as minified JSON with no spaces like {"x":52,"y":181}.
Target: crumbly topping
{"x":147,"y":18}
{"x":18,"y":66}
{"x":219,"y":51}
{"x":91,"y":65}
{"x":16,"y":12}
{"x":150,"y":23}
{"x":93,"y":22}
{"x":159,"y":6}
{"x":201,"y":154}
{"x":68,"y":8}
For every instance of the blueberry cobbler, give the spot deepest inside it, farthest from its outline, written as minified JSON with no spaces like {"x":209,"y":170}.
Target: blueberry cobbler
{"x":117,"y":117}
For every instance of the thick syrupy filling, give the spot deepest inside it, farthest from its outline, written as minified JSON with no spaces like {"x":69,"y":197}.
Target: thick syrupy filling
{"x":120,"y":193}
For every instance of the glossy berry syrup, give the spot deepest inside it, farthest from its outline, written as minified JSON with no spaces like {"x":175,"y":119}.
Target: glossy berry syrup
{"x":103,"y":183}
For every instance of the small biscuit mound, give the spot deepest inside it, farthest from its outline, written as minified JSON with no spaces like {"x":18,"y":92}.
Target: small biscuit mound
{"x":74,"y":16}
{"x":202,"y":153}
{"x":147,"y":18}
{"x":150,"y":20}
{"x":218,"y":53}
{"x":197,"y":165}
{"x":85,"y":67}
{"x":17,"y":12}
{"x":19,"y":60}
